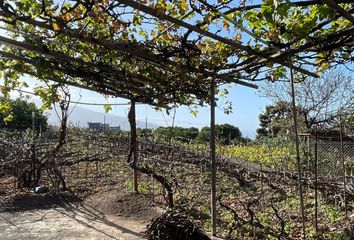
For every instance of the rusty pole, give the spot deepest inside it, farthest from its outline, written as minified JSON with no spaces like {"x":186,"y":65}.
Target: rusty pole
{"x":213,"y":156}
{"x":297,"y":145}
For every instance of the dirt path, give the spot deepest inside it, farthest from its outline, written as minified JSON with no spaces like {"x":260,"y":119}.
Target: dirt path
{"x":70,"y":221}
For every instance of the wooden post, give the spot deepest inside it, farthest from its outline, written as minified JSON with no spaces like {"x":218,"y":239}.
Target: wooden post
{"x":34,"y":150}
{"x":213,"y":156}
{"x":133,"y":144}
{"x":104,"y":123}
{"x":298,"y":162}
{"x":153,"y":188}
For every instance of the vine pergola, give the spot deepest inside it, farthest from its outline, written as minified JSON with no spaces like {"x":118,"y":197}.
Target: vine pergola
{"x":169,"y":53}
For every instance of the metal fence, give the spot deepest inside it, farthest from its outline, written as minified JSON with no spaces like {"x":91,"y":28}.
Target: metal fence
{"x":331,"y":158}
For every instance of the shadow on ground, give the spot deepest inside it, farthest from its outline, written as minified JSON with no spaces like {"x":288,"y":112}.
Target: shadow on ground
{"x":53,"y":216}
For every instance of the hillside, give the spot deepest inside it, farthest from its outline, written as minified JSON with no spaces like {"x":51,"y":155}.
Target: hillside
{"x":81,"y":116}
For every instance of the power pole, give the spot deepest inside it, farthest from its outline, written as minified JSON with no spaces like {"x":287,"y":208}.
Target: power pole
{"x":133,"y":144}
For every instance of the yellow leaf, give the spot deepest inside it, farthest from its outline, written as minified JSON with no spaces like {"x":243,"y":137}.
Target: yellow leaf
{"x":67,"y":17}
{"x":57,"y":27}
{"x":238,"y":36}
{"x":153,"y":34}
{"x":105,"y":2}
{"x":183,"y":7}
{"x":227,"y":26}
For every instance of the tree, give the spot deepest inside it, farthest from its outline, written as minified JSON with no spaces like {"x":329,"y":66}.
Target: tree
{"x":277,"y":120}
{"x":179,"y":133}
{"x":17,"y":114}
{"x":320,"y":101}
{"x":144,"y":132}
{"x":204,"y":135}
{"x":226,"y":134}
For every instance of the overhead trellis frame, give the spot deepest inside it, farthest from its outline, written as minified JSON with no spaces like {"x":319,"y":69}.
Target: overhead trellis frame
{"x":133,"y":49}
{"x":112,"y":47}
{"x":145,"y":52}
{"x":141,"y":7}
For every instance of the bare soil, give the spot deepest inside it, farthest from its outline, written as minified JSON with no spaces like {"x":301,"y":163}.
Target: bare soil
{"x":120,"y":202}
{"x":113,"y":213}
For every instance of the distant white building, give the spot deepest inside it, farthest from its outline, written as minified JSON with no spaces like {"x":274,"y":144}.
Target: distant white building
{"x":98,"y":126}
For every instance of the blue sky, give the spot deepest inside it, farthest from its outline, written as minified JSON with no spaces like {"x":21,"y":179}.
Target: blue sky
{"x":247,"y":105}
